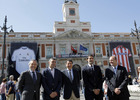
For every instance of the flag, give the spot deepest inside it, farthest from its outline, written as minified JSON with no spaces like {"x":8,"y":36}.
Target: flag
{"x":83,"y":48}
{"x":74,"y":50}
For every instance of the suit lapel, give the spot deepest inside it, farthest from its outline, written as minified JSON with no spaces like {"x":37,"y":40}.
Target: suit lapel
{"x":67,"y":74}
{"x":37,"y":76}
{"x":30,"y":76}
{"x":118,"y":71}
{"x":74,"y":74}
{"x":51,"y":73}
{"x":114,"y":75}
{"x":89,"y":69}
{"x":55,"y":74}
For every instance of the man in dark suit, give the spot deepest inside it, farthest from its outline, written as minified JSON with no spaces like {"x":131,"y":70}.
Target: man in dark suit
{"x":92,"y":77}
{"x":51,"y":81}
{"x":117,"y":81}
{"x":71,"y":82}
{"x":30,"y":82}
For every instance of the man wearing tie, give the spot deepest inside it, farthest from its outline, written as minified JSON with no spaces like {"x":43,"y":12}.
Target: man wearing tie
{"x":117,"y":81}
{"x":92,"y":78}
{"x":30,"y":82}
{"x":51,"y":81}
{"x":71,"y":82}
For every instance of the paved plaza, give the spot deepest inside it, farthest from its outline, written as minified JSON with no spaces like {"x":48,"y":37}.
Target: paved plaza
{"x":134,"y":96}
{"x":133,"y":89}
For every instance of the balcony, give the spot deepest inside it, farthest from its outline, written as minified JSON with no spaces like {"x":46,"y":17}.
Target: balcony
{"x":71,"y":55}
{"x":49,"y":56}
{"x":98,"y":55}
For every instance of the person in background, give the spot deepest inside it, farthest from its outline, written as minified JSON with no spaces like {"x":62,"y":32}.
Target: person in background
{"x":71,"y":82}
{"x":17,"y":93}
{"x":29,"y":82}
{"x":117,"y":81}
{"x":92,"y":77}
{"x":3,"y":88}
{"x":135,"y":82}
{"x":129,"y":80}
{"x":10,"y":88}
{"x":138,"y":75}
{"x":105,"y":90}
{"x":51,"y":81}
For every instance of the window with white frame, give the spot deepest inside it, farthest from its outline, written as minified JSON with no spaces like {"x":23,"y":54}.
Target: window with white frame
{"x":49,"y":52}
{"x":137,"y":49}
{"x":0,"y":50}
{"x":62,"y":49}
{"x":100,"y":63}
{"x":107,"y":51}
{"x":98,"y":51}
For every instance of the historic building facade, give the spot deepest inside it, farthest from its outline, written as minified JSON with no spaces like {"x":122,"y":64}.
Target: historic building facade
{"x":67,"y":38}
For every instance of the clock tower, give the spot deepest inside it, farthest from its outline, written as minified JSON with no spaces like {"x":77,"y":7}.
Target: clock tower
{"x":71,"y":11}
{"x":71,"y":20}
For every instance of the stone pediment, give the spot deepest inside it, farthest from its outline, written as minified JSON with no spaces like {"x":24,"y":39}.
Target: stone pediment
{"x":73,"y":34}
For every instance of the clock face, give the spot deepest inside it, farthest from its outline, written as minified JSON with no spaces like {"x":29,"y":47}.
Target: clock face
{"x":72,"y":12}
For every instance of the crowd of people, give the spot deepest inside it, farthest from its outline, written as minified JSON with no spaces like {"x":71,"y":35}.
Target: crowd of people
{"x":113,"y":86}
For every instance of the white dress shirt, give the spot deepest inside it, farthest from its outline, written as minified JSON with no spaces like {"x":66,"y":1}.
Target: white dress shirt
{"x":52,"y":71}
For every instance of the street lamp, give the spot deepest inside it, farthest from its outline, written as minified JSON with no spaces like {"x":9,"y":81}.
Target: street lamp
{"x":4,"y":28}
{"x":135,"y":32}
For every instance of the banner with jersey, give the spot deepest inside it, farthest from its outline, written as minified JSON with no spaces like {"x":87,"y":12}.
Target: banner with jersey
{"x":19,"y":56}
{"x":123,"y":52}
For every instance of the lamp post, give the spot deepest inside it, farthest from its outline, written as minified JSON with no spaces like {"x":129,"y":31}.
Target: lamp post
{"x":4,"y":28}
{"x":135,"y":32}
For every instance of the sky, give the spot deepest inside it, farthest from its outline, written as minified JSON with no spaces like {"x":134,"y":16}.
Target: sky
{"x":40,"y":15}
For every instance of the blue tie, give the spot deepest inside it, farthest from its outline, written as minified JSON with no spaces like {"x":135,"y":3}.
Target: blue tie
{"x":70,"y":75}
{"x":114,"y":70}
{"x":34,"y":78}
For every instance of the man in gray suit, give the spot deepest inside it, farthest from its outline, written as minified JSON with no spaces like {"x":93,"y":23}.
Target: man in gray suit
{"x":30,"y":82}
{"x":117,"y":81}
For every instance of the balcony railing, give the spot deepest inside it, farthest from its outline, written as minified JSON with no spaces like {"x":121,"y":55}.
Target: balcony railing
{"x":98,"y":55}
{"x":49,"y":56}
{"x":79,"y":55}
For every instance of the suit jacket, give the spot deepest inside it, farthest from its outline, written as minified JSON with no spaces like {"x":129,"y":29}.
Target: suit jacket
{"x":50,"y":83}
{"x":92,"y":78}
{"x":27,"y":87}
{"x":69,"y":86}
{"x":118,"y":80}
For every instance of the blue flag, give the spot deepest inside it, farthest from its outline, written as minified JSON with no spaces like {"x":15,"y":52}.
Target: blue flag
{"x":83,"y":48}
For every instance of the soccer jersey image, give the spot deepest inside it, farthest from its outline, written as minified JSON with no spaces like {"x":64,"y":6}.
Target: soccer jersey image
{"x":122,"y":55}
{"x":22,"y":56}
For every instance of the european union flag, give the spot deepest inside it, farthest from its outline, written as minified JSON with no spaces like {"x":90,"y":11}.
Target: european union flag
{"x":83,"y":48}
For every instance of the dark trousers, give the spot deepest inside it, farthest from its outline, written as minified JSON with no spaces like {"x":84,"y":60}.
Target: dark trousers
{"x":17,"y":96}
{"x":46,"y":97}
{"x":89,"y":95}
{"x":118,"y":98}
{"x":34,"y":97}
{"x":3,"y":96}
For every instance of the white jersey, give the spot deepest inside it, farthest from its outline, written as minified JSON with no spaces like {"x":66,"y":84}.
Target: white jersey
{"x":122,"y":55}
{"x":22,"y":56}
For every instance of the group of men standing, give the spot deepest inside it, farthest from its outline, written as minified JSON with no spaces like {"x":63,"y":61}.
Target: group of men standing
{"x":68,"y":80}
